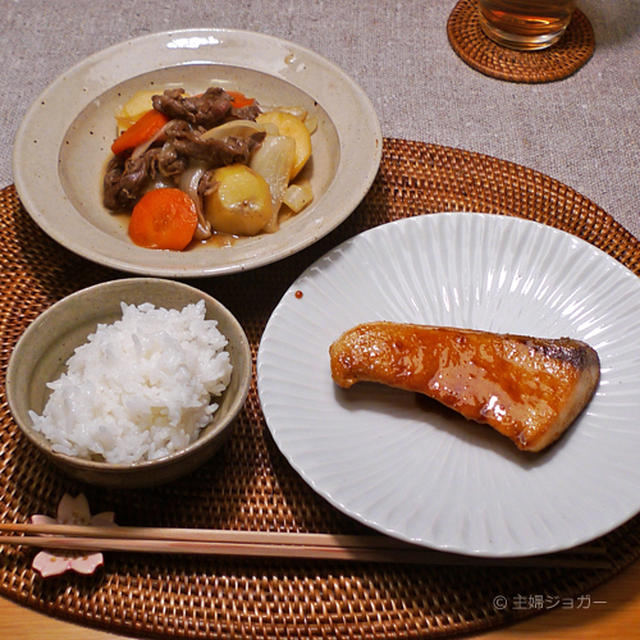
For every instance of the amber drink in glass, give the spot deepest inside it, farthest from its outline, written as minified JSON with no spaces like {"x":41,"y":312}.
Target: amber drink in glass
{"x":525,"y":24}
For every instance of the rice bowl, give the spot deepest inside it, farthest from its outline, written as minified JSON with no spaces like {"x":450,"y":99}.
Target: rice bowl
{"x":155,"y":406}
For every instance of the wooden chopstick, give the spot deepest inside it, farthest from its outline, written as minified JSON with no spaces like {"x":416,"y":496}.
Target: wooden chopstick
{"x":364,"y":548}
{"x":209,"y":535}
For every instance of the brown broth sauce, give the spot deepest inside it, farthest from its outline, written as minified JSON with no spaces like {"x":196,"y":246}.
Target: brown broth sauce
{"x":218,"y":239}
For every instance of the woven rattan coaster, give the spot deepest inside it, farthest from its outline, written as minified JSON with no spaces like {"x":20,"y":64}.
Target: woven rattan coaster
{"x":248,"y":485}
{"x":547,"y":65}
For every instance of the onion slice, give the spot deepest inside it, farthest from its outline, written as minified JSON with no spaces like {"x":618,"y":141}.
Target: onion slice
{"x":273,"y":161}
{"x":142,"y":147}
{"x":297,"y":196}
{"x":235,"y":128}
{"x":189,"y":181}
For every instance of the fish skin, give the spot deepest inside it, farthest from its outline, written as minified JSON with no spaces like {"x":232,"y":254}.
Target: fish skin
{"x":528,"y":389}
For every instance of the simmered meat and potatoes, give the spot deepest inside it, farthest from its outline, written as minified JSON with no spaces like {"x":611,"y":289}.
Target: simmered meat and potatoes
{"x":191,"y":166}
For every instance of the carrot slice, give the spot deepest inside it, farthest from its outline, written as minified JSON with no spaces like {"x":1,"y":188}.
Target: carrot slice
{"x":163,"y":218}
{"x":140,"y":131}
{"x":239,"y":100}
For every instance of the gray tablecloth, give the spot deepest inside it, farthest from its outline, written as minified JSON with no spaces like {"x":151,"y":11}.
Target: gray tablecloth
{"x":583,"y":130}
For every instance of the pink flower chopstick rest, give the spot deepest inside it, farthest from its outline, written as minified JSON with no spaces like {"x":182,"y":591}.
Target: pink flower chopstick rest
{"x":73,"y":511}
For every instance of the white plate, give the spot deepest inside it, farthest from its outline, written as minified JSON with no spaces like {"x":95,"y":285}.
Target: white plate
{"x":63,"y":143}
{"x":428,"y":476}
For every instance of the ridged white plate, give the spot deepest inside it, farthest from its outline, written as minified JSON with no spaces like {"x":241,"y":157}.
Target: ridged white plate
{"x":425,"y":475}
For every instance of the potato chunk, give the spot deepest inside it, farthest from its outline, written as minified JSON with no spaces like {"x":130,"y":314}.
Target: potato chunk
{"x":134,"y":109}
{"x":293,"y":127}
{"x":240,"y":203}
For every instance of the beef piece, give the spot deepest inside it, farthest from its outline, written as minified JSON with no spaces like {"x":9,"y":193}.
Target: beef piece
{"x":124,"y":182}
{"x":165,"y":161}
{"x":207,"y":110}
{"x":126,"y":179}
{"x":250,"y":112}
{"x":218,"y":152}
{"x":111,"y":181}
{"x":207,"y":184}
{"x":215,"y":152}
{"x":180,"y":129}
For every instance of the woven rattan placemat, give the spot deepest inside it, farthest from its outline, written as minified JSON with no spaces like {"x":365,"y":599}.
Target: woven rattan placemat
{"x":248,"y":484}
{"x":555,"y":63}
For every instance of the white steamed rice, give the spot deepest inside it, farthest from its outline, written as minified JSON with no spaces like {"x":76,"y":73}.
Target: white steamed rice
{"x":140,"y":388}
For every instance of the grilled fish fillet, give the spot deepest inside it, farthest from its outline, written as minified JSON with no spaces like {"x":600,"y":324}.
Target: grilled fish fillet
{"x":528,"y":389}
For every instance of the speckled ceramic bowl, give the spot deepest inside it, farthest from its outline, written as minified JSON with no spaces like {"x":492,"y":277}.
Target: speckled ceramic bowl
{"x":63,"y":144}
{"x":46,"y":345}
